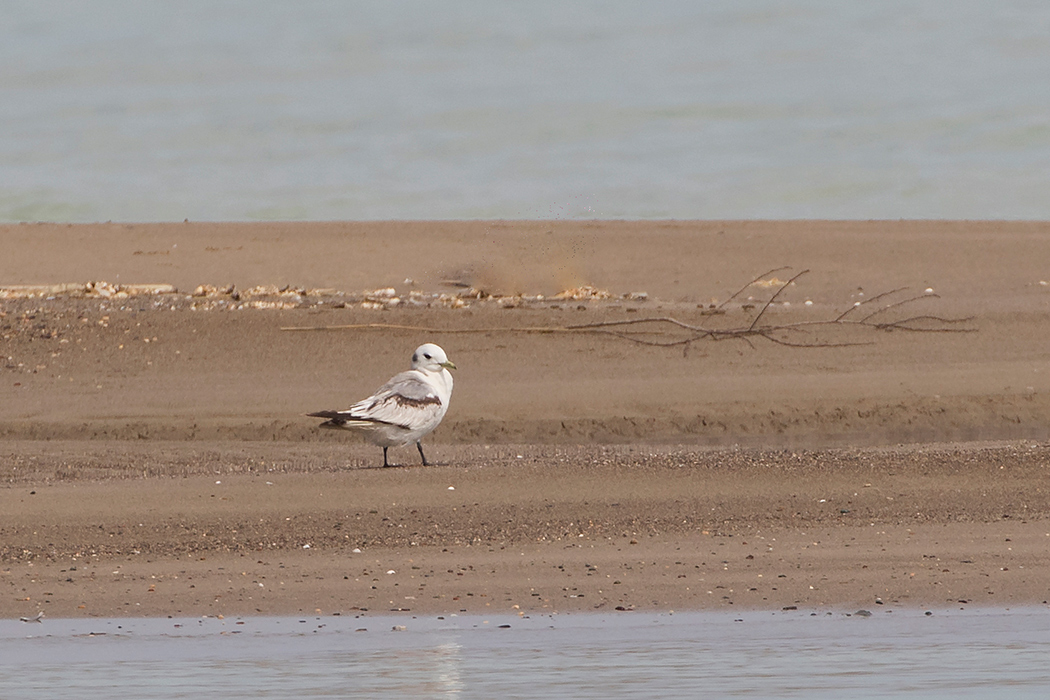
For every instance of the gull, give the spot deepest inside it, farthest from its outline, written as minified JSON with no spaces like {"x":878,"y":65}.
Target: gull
{"x":404,"y":409}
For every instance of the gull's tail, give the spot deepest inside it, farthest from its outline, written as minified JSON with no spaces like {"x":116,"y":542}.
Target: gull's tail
{"x":346,"y":419}
{"x":336,"y":419}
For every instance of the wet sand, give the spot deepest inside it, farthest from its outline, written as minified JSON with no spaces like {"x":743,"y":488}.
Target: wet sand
{"x":904,"y":462}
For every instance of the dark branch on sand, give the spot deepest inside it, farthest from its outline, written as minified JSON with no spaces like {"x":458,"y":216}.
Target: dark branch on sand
{"x":667,"y":331}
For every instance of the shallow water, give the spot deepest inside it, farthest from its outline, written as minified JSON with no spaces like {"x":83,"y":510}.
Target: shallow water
{"x":950,"y":654}
{"x":259,"y":109}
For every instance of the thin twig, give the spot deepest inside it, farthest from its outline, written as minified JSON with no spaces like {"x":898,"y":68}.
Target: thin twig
{"x":746,"y":286}
{"x":788,"y":343}
{"x":774,"y":298}
{"x":900,"y":303}
{"x":869,"y":301}
{"x":900,"y":325}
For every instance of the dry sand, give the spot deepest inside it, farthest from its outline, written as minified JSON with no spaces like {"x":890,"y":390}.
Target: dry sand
{"x":155,"y":458}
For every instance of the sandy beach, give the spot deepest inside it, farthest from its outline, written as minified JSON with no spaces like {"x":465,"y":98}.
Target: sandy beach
{"x":635,"y":424}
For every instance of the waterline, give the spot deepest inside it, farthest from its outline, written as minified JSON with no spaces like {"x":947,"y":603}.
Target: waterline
{"x":900,"y":653}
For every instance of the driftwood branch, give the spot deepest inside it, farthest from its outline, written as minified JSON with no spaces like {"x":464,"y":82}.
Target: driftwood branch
{"x":667,"y":331}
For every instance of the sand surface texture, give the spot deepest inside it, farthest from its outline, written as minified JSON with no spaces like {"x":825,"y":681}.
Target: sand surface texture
{"x":634,"y":425}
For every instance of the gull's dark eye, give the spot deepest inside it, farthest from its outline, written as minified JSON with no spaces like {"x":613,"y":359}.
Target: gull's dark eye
{"x":426,"y":355}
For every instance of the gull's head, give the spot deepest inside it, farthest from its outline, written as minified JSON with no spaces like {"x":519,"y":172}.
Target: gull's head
{"x":431,"y":358}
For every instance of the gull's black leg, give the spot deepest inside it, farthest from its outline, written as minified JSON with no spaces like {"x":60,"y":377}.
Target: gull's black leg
{"x":420,"y":446}
{"x":385,"y":463}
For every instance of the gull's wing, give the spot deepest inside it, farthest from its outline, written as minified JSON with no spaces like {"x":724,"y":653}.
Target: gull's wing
{"x":407,"y":401}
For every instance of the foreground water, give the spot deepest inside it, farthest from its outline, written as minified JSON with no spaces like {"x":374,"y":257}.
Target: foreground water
{"x":904,"y":654}
{"x":260,"y":109}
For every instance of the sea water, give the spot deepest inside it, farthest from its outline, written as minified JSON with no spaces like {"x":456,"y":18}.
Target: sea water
{"x":951,"y":654}
{"x":408,"y":109}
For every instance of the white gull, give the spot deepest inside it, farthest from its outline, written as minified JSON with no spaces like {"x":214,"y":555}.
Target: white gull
{"x":404,"y":409}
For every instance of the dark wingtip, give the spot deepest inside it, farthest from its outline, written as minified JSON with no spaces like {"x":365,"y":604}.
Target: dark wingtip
{"x":335,"y":418}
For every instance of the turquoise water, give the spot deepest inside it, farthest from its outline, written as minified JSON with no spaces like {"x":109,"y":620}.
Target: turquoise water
{"x":259,"y":109}
{"x":902,"y":654}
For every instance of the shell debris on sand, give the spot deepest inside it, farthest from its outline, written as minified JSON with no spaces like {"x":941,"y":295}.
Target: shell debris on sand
{"x":100,"y":289}
{"x":207,"y":290}
{"x":223,"y":297}
{"x":583,"y":293}
{"x":770,"y":283}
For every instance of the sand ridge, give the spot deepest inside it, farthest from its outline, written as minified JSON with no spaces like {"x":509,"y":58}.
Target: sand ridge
{"x":903,"y":465}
